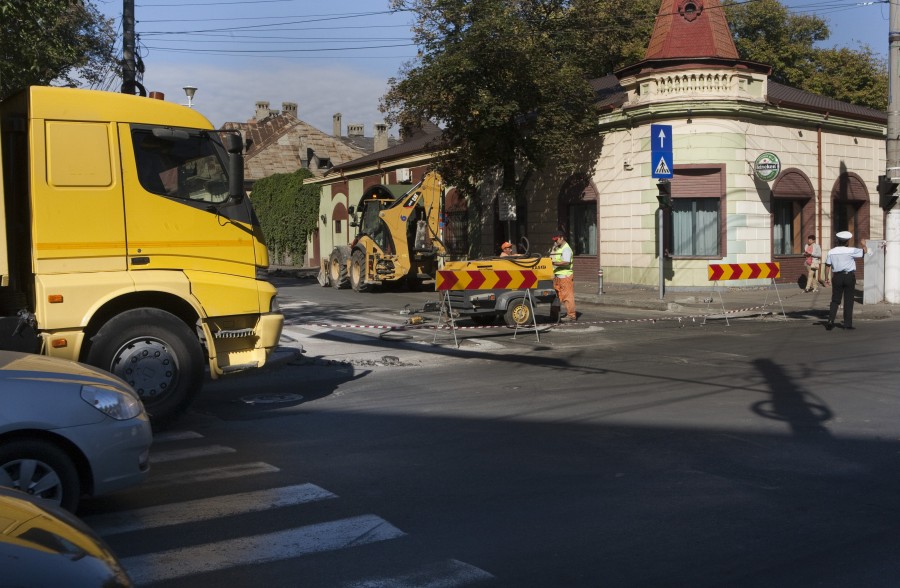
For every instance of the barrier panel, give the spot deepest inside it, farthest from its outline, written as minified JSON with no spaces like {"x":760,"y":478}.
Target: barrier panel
{"x":720,"y":272}
{"x":496,"y":274}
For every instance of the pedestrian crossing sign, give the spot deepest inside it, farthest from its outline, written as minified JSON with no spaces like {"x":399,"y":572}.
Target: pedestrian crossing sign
{"x":662,"y":165}
{"x":661,"y":151}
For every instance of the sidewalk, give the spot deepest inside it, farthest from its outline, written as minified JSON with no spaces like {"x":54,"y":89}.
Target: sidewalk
{"x":747,"y":300}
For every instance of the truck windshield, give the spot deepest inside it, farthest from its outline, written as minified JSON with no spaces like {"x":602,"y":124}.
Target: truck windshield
{"x":180,"y":164}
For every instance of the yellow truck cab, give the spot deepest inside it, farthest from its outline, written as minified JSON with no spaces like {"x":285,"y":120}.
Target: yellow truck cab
{"x":129,"y":243}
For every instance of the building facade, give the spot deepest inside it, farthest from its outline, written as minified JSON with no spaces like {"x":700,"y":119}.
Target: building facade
{"x":755,"y":168}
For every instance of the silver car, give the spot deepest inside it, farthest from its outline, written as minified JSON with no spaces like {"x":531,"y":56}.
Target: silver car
{"x":68,"y":429}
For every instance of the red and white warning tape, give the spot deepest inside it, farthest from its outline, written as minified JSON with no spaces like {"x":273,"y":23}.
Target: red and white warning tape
{"x":407,"y":327}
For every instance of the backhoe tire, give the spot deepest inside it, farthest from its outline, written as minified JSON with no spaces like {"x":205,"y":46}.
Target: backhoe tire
{"x":358,"y":271}
{"x":157,"y":354}
{"x":519,"y":313}
{"x":337,"y":269}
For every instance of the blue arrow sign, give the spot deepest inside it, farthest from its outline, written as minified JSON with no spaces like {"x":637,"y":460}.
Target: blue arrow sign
{"x":661,"y":151}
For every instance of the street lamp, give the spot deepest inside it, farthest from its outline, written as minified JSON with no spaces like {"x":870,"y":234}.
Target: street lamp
{"x":190,"y":91}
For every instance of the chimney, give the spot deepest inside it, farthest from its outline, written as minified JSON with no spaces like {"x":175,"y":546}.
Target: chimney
{"x":336,"y":124}
{"x":262,"y":110}
{"x":381,"y":137}
{"x":289,"y":108}
{"x":355,"y":130}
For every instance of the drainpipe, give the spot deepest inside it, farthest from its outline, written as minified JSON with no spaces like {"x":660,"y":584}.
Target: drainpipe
{"x":821,"y":236}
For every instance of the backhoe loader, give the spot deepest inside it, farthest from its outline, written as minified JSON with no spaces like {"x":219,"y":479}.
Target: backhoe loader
{"x":398,"y":239}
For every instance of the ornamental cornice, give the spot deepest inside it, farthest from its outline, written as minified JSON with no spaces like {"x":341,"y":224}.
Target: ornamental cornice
{"x":758,"y":112}
{"x":693,"y":83}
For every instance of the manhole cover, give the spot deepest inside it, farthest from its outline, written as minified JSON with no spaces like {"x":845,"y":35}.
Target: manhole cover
{"x":271,"y":398}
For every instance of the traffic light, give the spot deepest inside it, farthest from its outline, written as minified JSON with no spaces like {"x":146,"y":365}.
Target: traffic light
{"x":665,"y":193}
{"x":887,"y":192}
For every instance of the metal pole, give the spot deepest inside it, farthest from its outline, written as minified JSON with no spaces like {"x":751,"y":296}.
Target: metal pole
{"x":892,"y":216}
{"x":662,"y":253}
{"x":128,"y":64}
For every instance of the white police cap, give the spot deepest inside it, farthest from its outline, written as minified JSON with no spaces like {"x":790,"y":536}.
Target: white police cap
{"x":844,"y":235}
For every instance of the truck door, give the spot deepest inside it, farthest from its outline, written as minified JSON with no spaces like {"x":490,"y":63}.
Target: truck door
{"x":177,"y":211}
{"x":76,"y":197}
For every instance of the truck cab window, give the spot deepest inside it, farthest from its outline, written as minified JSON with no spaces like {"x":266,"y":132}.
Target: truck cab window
{"x":180,"y":165}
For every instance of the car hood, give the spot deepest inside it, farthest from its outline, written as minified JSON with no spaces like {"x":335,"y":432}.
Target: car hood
{"x":28,"y":366}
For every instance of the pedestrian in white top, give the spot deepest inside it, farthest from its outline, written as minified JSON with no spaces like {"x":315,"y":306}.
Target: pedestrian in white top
{"x":841,"y":264}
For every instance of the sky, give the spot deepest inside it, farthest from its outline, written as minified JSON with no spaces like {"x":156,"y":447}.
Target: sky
{"x":334,"y":56}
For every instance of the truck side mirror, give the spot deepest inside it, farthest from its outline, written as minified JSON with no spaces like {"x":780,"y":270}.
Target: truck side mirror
{"x":235,"y":147}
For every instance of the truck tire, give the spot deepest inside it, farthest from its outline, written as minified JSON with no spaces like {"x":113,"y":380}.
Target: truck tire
{"x":519,"y":313}
{"x":337,"y":269}
{"x":358,"y":271}
{"x":42,"y":469}
{"x":157,"y":354}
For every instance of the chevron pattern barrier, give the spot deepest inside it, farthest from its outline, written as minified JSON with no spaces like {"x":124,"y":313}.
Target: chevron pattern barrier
{"x":486,"y":279}
{"x":743,"y":271}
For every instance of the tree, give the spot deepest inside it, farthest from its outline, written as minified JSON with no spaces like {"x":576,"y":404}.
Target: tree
{"x":288,"y":212}
{"x":508,"y":81}
{"x":764,"y":31}
{"x":44,"y":41}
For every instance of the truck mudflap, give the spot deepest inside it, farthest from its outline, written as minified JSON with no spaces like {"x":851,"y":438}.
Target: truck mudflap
{"x":237,"y":348}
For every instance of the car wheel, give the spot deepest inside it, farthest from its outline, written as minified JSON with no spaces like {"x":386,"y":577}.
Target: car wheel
{"x":519,"y":313}
{"x":157,"y":354}
{"x":41,"y":469}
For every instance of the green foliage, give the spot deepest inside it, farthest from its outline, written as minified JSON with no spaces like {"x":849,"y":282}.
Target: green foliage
{"x":44,"y":41}
{"x":764,"y":31}
{"x":287,"y":210}
{"x":508,"y":81}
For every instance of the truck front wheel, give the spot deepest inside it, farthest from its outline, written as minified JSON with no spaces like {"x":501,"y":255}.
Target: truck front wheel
{"x":519,"y":313}
{"x":157,"y":354}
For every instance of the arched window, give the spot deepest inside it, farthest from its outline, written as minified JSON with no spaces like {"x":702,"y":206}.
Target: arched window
{"x":793,"y":212}
{"x":849,"y":200}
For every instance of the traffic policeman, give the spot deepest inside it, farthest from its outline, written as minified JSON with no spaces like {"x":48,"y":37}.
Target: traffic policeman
{"x":841,"y":264}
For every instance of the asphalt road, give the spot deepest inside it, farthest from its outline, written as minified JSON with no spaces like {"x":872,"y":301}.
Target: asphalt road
{"x":633,"y":449}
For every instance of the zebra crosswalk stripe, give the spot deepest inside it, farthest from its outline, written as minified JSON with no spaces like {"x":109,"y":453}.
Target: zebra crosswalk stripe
{"x":210,"y":474}
{"x":205,"y":509}
{"x":290,"y":543}
{"x":444,"y":574}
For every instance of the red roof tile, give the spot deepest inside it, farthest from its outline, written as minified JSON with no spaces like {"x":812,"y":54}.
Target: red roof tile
{"x":691,"y":28}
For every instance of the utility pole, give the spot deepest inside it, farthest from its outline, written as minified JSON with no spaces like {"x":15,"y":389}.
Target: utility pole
{"x":128,"y":63}
{"x":888,"y":186}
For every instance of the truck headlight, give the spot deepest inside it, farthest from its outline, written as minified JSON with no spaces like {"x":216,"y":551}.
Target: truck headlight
{"x":113,"y":403}
{"x":273,"y":304}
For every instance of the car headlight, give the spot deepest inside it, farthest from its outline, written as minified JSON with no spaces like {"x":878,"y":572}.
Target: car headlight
{"x":114,"y":403}
{"x":273,"y":304}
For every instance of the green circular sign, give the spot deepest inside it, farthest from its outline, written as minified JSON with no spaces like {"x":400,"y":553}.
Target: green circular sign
{"x":767,"y":166}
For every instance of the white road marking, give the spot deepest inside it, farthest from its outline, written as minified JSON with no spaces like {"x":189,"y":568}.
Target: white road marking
{"x":205,"y":509}
{"x":175,"y":436}
{"x":447,"y":574}
{"x":190,"y":453}
{"x":208,"y":474}
{"x":290,"y":543}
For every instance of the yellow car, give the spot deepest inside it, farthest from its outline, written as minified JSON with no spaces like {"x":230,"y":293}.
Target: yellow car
{"x":42,"y":546}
